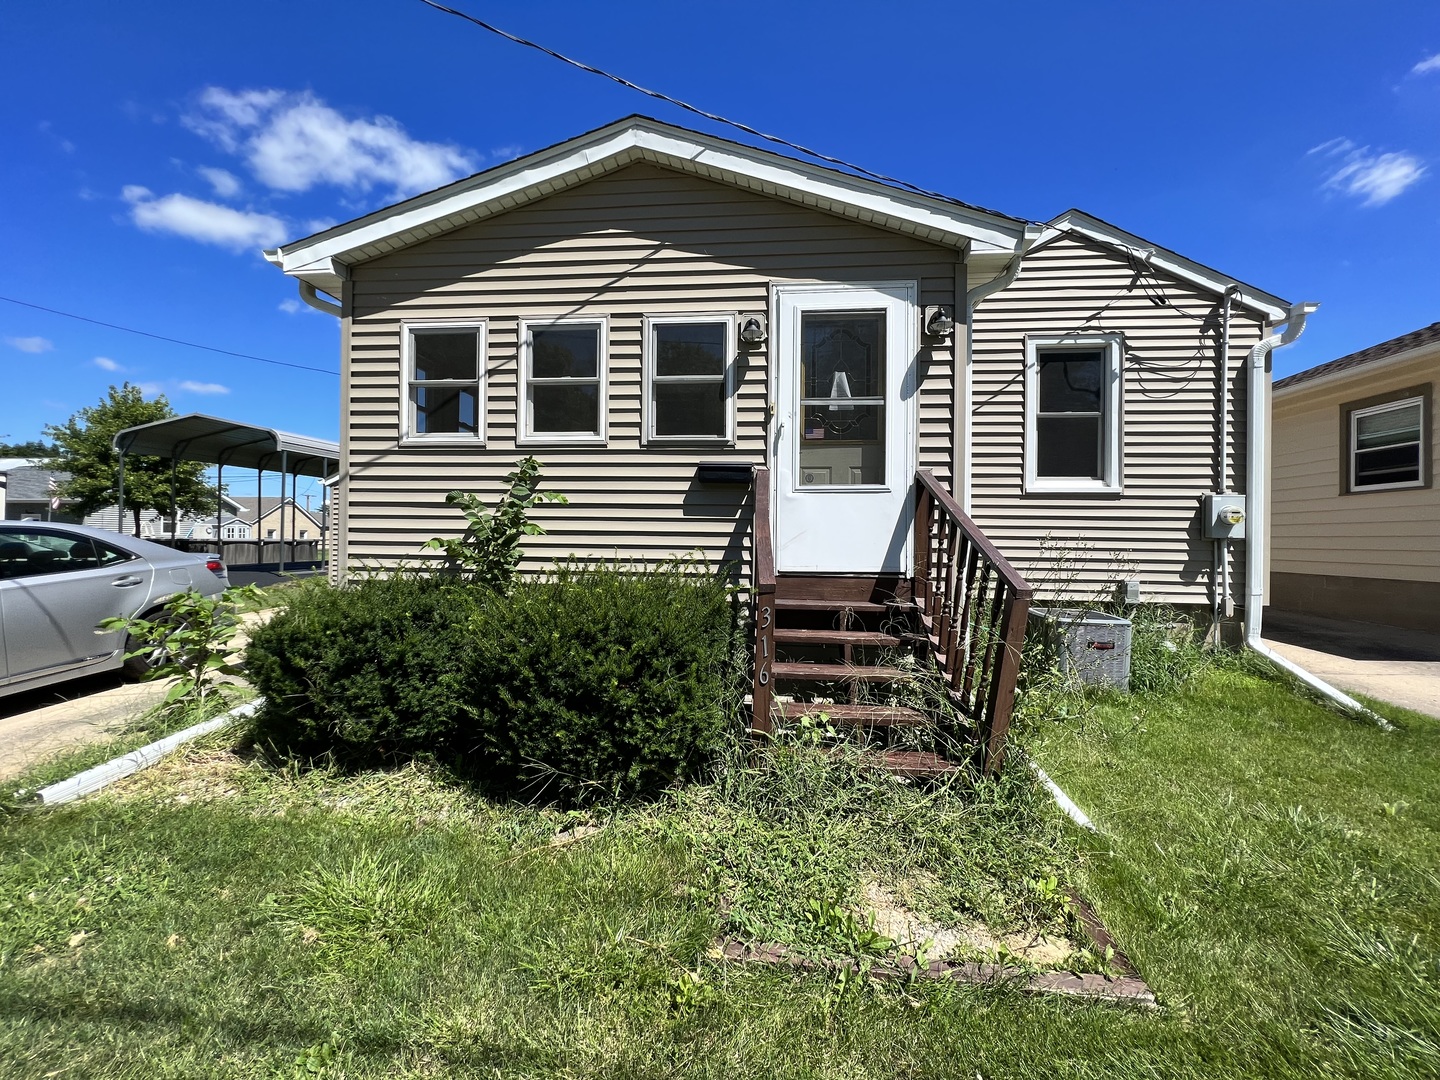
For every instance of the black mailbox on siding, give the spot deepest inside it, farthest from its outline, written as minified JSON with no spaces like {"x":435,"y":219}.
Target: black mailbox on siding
{"x":724,"y":472}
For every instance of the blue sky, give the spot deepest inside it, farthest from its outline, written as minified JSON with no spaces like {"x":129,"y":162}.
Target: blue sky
{"x":152,"y":148}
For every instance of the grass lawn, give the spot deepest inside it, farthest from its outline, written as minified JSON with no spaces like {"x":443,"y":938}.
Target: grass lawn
{"x":1273,"y":869}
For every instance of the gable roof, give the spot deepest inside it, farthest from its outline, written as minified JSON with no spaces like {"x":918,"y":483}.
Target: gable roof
{"x":1397,"y":348}
{"x":321,"y":260}
{"x":1079,"y":223}
{"x":253,"y":509}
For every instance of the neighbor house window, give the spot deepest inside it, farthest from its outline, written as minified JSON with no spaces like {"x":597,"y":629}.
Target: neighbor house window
{"x":562,"y":374}
{"x":1386,"y":444}
{"x":445,"y":381}
{"x":687,"y":372}
{"x":1072,"y":413}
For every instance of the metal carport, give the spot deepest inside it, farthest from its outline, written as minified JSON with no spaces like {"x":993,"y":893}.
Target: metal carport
{"x":217,"y":441}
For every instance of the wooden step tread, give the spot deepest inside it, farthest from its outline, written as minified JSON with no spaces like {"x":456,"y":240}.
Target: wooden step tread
{"x":916,"y":764}
{"x":789,"y":604}
{"x":829,"y":672}
{"x":836,"y":637}
{"x":846,"y":715}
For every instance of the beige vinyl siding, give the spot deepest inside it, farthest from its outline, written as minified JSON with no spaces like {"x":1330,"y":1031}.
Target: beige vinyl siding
{"x":1368,"y":534}
{"x":640,"y":241}
{"x":1170,"y":404}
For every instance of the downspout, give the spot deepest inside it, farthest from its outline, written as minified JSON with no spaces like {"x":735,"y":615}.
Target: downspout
{"x":972,"y":300}
{"x":1258,"y":526}
{"x":311,"y":297}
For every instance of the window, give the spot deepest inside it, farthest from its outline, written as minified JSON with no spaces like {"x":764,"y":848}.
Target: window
{"x":445,"y":375}
{"x":687,"y":369}
{"x":27,"y":553}
{"x":1072,"y":413}
{"x":235,"y":532}
{"x":269,"y":534}
{"x":1386,"y":441}
{"x":562,"y":373}
{"x":304,"y":534}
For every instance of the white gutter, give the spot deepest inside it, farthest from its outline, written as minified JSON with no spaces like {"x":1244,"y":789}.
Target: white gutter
{"x":1257,"y":527}
{"x":1033,"y":232}
{"x":311,"y":297}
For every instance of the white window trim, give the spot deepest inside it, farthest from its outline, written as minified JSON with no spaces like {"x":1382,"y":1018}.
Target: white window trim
{"x":648,"y":360}
{"x":1112,"y":418}
{"x":524,"y":435}
{"x":1355,"y":416}
{"x":408,"y":434}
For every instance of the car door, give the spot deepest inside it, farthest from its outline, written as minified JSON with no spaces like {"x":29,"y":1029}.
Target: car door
{"x":55,"y":586}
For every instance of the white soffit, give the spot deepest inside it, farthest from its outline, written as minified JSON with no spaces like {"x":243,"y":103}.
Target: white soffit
{"x":1080,"y":223}
{"x":322,"y":259}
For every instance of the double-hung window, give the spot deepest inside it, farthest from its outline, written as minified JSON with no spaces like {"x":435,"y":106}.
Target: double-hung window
{"x":562,"y":377}
{"x":687,"y":379}
{"x":445,"y":381}
{"x":1072,"y":413}
{"x":1387,"y":444}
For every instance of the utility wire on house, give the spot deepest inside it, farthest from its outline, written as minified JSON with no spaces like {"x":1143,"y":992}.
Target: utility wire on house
{"x":162,"y":337}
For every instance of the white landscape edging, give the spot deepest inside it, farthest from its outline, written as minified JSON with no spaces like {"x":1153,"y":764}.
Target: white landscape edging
{"x":118,"y":768}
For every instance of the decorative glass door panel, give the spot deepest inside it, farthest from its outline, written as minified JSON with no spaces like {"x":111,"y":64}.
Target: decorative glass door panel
{"x":842,"y":379}
{"x":845,"y":427}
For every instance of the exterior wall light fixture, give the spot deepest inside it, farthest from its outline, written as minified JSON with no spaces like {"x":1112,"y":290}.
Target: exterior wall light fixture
{"x":939,"y":321}
{"x":752,"y":329}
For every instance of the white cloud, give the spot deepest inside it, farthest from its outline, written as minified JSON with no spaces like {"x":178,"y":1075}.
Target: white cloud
{"x":294,"y":141}
{"x":291,"y":306}
{"x":207,"y":222}
{"x":1375,"y":179}
{"x":104,"y":363}
{"x":151,"y":388}
{"x":225,"y":183}
{"x":1429,"y":64}
{"x":30,"y":344}
{"x":203,"y":387}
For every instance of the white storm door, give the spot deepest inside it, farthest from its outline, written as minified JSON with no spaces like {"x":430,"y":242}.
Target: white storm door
{"x":844,"y":442}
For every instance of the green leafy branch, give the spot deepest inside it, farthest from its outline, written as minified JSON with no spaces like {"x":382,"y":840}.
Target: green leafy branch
{"x":191,"y":639}
{"x":488,"y":553}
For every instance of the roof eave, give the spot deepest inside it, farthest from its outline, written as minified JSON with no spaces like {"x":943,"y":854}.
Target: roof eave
{"x":322,"y":259}
{"x":1274,"y":308}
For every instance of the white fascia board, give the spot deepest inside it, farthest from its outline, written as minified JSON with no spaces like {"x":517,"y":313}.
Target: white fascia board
{"x":506,"y":188}
{"x":1078,"y":222}
{"x":1419,"y":352}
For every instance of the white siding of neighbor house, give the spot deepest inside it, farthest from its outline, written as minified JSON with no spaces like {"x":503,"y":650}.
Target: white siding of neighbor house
{"x":1369,"y":534}
{"x":1171,"y":402}
{"x":641,"y":241}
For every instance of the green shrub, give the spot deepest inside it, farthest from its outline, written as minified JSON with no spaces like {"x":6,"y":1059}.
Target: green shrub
{"x":601,"y":681}
{"x":371,"y":672}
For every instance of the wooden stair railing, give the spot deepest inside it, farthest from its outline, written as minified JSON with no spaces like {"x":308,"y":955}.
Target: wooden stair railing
{"x":762,"y":593}
{"x":972,"y":605}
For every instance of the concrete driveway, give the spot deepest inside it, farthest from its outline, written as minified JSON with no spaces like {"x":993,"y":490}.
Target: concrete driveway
{"x":42,"y":723}
{"x":1385,"y":662}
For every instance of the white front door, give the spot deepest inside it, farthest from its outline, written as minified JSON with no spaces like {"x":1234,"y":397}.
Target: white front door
{"x":844,"y":443}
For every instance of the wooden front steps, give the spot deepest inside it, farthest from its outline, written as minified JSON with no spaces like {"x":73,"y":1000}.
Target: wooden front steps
{"x":835,"y":648}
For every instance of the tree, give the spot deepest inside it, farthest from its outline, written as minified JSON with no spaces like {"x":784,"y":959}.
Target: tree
{"x":85,"y":449}
{"x":34,"y":448}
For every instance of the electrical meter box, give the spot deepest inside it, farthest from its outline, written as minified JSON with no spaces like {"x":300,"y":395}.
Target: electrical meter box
{"x":1223,"y":516}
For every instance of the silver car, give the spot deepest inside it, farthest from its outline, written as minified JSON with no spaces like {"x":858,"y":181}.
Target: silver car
{"x":58,"y":581}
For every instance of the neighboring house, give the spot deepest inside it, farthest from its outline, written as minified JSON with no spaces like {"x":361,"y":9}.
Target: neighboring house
{"x":644,"y":304}
{"x":156,"y":526}
{"x":1356,"y":514}
{"x":269,"y":517}
{"x":26,"y":495}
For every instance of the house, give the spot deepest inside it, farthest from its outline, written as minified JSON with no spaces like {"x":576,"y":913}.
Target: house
{"x":1355,"y":513}
{"x":26,"y":493}
{"x":268,"y":516}
{"x":718,"y":349}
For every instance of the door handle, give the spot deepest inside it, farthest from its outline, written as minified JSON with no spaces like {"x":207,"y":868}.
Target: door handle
{"x":126,"y":582}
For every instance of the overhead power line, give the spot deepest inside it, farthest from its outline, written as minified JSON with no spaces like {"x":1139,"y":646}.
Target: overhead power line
{"x":736,"y":124}
{"x":171,"y":340}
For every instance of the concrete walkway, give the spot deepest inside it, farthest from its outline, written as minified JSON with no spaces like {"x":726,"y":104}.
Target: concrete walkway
{"x":1385,"y":662}
{"x":38,"y":725}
